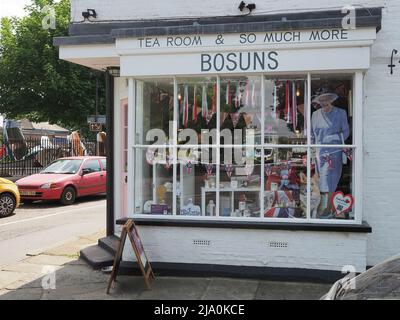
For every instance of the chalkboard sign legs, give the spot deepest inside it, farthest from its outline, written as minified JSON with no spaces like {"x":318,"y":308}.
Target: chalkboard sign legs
{"x":129,"y":229}
{"x":117,"y":259}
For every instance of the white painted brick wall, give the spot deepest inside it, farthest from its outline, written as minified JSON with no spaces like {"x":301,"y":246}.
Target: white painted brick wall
{"x":309,"y":250}
{"x":159,"y":9}
{"x":382,"y":141}
{"x":381,"y":204}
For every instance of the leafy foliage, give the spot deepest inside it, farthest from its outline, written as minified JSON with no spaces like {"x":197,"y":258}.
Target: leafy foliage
{"x":34,"y":82}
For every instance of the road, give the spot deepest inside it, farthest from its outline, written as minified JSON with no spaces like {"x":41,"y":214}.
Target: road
{"x":40,"y":226}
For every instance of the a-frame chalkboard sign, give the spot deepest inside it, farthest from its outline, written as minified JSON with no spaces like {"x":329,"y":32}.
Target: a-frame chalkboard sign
{"x":129,"y":229}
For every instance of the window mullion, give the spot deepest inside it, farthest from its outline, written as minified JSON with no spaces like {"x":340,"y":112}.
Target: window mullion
{"x":131,"y":141}
{"x":262,"y":89}
{"x":174,"y":151}
{"x":218,"y":153}
{"x":358,"y":160}
{"x":308,"y":104}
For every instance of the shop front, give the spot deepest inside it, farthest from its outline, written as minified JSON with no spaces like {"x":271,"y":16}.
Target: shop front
{"x":238,"y":147}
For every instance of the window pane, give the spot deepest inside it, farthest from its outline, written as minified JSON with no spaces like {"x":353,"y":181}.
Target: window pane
{"x":92,"y":165}
{"x":154,"y":111}
{"x":197,"y":105}
{"x":196,"y":183}
{"x":240,"y":182}
{"x":154,"y":181}
{"x":241,"y":110}
{"x":332,"y":183}
{"x":332,"y":109}
{"x":285,"y":110}
{"x":285,"y":182}
{"x":104,"y":163}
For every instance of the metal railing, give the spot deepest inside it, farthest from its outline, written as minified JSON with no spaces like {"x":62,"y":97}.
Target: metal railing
{"x":25,"y":157}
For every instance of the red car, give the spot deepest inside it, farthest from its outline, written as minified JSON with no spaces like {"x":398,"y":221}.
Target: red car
{"x":65,"y":179}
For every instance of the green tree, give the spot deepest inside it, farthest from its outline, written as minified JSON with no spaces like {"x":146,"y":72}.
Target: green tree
{"x":34,"y":82}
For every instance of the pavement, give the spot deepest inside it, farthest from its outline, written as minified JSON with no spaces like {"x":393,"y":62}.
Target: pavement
{"x":59,"y":274}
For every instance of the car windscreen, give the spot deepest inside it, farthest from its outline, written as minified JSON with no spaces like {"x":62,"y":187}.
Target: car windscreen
{"x":67,"y":166}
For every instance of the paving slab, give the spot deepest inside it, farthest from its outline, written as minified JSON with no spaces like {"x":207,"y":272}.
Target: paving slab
{"x":44,"y":259}
{"x":271,"y":290}
{"x":25,"y":267}
{"x":127,"y":287}
{"x":8,"y":277}
{"x":21,"y":294}
{"x":176,"y":289}
{"x":63,"y":292}
{"x":232,"y":289}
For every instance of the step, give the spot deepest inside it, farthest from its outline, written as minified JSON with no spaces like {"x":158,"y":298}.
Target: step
{"x":109,"y":244}
{"x":97,"y":257}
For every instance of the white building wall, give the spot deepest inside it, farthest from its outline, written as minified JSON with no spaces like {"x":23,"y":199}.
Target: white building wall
{"x":243,"y":247}
{"x":161,"y":9}
{"x":381,"y":208}
{"x":382,"y":141}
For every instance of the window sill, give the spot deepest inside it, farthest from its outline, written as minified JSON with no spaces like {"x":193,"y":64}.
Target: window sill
{"x":363,"y":228}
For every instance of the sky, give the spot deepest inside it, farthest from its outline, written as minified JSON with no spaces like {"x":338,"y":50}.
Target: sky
{"x":12,"y":7}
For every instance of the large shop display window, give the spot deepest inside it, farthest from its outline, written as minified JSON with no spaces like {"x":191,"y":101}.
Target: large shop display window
{"x":245,"y":147}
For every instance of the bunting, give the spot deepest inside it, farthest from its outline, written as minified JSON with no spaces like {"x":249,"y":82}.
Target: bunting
{"x":204,"y":103}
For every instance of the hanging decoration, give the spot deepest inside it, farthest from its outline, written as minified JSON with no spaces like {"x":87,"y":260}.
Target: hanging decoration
{"x":185,"y":106}
{"x":194,"y":112}
{"x":249,"y":168}
{"x":267,"y":169}
{"x":326,"y":157}
{"x":275,"y":100}
{"x":294,"y":106}
{"x":253,"y":94}
{"x":349,"y":154}
{"x":229,"y":170}
{"x":238,"y":96}
{"x":228,"y":97}
{"x":247,"y":95}
{"x":214,"y":100}
{"x":287,"y":101}
{"x":209,"y":169}
{"x":168,"y":162}
{"x":189,"y":166}
{"x":350,"y":99}
{"x":150,"y":155}
{"x":204,"y":103}
{"x":305,"y":107}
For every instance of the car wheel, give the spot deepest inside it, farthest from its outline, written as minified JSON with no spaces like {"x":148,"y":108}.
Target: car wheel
{"x":7,"y":205}
{"x":68,"y":196}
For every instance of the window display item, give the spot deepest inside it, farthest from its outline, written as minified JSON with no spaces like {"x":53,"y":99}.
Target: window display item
{"x":190,"y":209}
{"x":342,"y":203}
{"x":159,"y":209}
{"x":329,"y":125}
{"x":211,"y":208}
{"x":282,"y":205}
{"x":315,"y":194}
{"x":147,"y":206}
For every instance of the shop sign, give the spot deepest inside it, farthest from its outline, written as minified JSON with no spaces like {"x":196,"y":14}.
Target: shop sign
{"x":249,"y":39}
{"x":95,"y":127}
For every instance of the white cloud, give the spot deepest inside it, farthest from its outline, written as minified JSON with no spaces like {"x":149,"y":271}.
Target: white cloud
{"x":13,"y":7}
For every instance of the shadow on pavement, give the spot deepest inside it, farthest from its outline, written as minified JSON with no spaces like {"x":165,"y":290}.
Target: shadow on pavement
{"x":75,"y":280}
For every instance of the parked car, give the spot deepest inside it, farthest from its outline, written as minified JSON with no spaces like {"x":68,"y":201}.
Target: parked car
{"x":9,"y":197}
{"x":65,"y":179}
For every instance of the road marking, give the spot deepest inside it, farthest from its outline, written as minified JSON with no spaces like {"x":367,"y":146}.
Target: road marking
{"x":50,"y":215}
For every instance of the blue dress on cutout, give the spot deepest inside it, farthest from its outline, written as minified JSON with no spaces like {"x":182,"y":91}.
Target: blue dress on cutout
{"x":328,"y":128}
